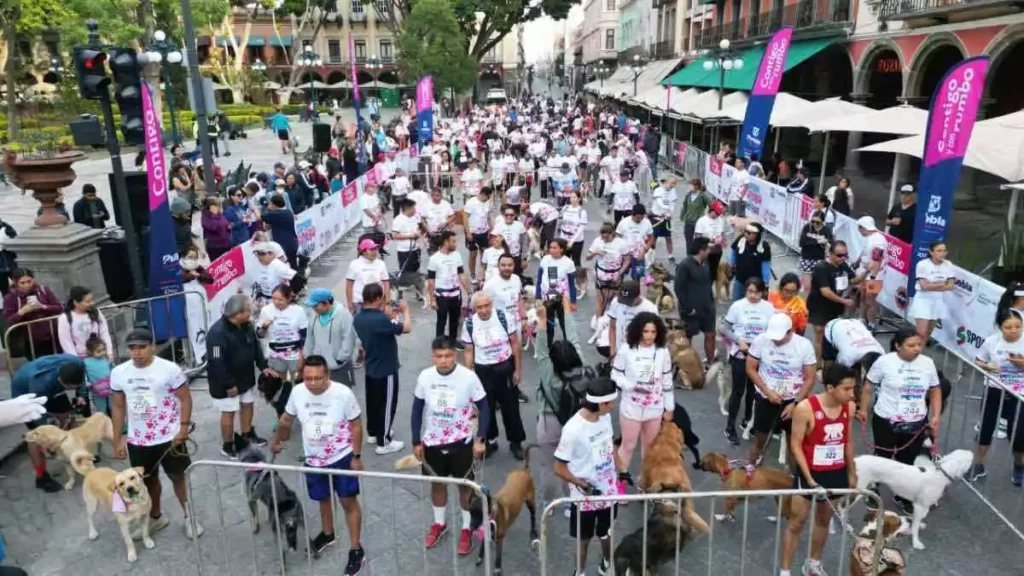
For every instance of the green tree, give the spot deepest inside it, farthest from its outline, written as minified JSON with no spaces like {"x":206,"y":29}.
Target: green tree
{"x":479,"y":34}
{"x":430,"y":45}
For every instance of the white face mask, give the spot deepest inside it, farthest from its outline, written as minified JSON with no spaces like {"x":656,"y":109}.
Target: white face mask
{"x":189,"y":264}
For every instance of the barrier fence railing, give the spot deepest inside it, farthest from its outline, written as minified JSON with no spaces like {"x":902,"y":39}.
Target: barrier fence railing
{"x":167,"y":317}
{"x":294,"y":477}
{"x":677,"y":501}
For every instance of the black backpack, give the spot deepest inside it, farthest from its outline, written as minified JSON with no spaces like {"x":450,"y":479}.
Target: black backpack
{"x":572,"y":395}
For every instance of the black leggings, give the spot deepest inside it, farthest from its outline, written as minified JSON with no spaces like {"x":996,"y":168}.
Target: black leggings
{"x":742,"y":389}
{"x":555,"y":312}
{"x":991,"y":414}
{"x":502,"y":396}
{"x":449,"y":309}
{"x":886,"y":440}
{"x":714,"y":257}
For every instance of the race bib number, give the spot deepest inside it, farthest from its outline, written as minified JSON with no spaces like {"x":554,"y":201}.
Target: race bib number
{"x":645,"y":370}
{"x":143,"y":403}
{"x":444,"y":405}
{"x":910,"y":406}
{"x":321,"y":430}
{"x":842,"y":283}
{"x":828,"y":455}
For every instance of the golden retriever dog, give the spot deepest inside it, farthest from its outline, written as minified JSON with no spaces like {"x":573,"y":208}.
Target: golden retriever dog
{"x":721,"y":291}
{"x":662,"y":470}
{"x":125,"y":494}
{"x":685,"y":360}
{"x":71,"y":444}
{"x":658,"y":293}
{"x":738,"y":477}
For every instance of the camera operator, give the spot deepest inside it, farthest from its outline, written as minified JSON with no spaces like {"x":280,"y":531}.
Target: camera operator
{"x":556,"y":276}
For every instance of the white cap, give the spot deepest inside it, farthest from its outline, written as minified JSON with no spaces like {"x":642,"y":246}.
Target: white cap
{"x":867,"y":223}
{"x":303,"y":164}
{"x":778,"y":326}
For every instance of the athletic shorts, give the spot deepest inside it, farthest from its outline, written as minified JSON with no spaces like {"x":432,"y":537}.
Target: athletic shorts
{"x":283,"y":135}
{"x":58,"y":404}
{"x":828,"y":351}
{"x":591,"y":522}
{"x":450,"y":460}
{"x":234,"y":404}
{"x":663,"y":228}
{"x":576,"y":252}
{"x":477,"y":242}
{"x":829,"y":479}
{"x":701,"y":323}
{"x":637,"y":268}
{"x":766,"y":415}
{"x":174,"y":463}
{"x":318,"y":486}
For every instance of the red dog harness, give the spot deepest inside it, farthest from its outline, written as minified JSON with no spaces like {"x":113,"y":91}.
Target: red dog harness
{"x":747,"y":467}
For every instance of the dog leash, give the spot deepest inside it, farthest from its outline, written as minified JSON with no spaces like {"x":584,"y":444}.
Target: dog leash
{"x":185,"y":448}
{"x":874,"y":447}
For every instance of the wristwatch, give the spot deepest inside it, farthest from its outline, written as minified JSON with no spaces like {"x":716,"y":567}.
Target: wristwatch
{"x":357,"y":456}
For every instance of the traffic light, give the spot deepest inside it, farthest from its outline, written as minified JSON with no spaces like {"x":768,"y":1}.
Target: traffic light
{"x":124,"y":65}
{"x":91,"y":67}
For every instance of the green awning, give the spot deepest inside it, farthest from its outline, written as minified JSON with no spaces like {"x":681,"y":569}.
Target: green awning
{"x":280,"y":41}
{"x":257,"y":41}
{"x":694,"y":74}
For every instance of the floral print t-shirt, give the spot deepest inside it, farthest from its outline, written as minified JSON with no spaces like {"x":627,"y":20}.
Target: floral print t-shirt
{"x":151,"y":407}
{"x":449,"y":400}
{"x":326,"y":422}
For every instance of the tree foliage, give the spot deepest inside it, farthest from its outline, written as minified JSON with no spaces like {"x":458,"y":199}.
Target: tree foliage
{"x":430,"y":44}
{"x":479,"y":35}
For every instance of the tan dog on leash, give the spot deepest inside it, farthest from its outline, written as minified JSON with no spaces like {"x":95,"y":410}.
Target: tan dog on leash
{"x":742,"y":478}
{"x":662,"y":470}
{"x":71,"y":445}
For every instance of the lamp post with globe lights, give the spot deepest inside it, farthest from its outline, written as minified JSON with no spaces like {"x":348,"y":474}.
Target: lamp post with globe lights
{"x":602,"y":71}
{"x":311,"y":59}
{"x":724,"y":59}
{"x":637,"y":68}
{"x":161,"y":50}
{"x":373,"y":65}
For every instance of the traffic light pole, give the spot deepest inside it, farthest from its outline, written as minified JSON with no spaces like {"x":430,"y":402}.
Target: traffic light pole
{"x":121,"y":196}
{"x":198,"y":96}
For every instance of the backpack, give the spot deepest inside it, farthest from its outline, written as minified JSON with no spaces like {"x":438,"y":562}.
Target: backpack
{"x":572,"y":395}
{"x":501,"y":318}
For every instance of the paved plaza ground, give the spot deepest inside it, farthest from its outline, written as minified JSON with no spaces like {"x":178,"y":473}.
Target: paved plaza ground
{"x":46,"y":533}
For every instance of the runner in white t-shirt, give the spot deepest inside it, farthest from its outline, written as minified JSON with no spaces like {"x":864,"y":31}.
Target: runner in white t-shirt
{"x":438,"y":216}
{"x":638,"y":234}
{"x":270,"y":273}
{"x":489,"y":259}
{"x":935,"y":277}
{"x":478,"y":216}
{"x":624,"y":194}
{"x":872,"y":262}
{"x":507,"y":290}
{"x":611,"y":253}
{"x":514,"y":233}
{"x":746,"y":319}
{"x":368,"y":268}
{"x":663,"y":206}
{"x":369,"y":204}
{"x":848,"y":342}
{"x":623,"y":309}
{"x":283,"y":325}
{"x":442,"y":433}
{"x":1002,"y":355}
{"x":332,"y":439}
{"x":446,"y":280}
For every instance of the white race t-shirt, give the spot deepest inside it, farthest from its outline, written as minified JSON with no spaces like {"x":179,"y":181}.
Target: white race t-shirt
{"x":610,"y":166}
{"x":635,"y":234}
{"x":372,"y":203}
{"x":623,"y":315}
{"x":506,"y":295}
{"x":587,"y":450}
{"x":283,"y":335}
{"x":544,"y":211}
{"x":713,"y":229}
{"x":936,"y":274}
{"x":403,"y":224}
{"x":851,"y":340}
{"x":563,"y":268}
{"x":610,"y":258}
{"x":152,"y":410}
{"x":436,"y":215}
{"x":624,"y":195}
{"x":782,"y":367}
{"x":738,"y":184}
{"x":400,"y":186}
{"x":996,"y":350}
{"x":748,"y":321}
{"x":422,"y":199}
{"x":874,"y":250}
{"x":901,"y":387}
{"x":446,"y":272}
{"x":644,"y":374}
{"x":573,"y":223}
{"x":362,"y":272}
{"x":272,"y":275}
{"x":512,"y":234}
{"x":471,"y":180}
{"x":478,"y":212}
{"x":449,"y":399}
{"x":490,"y":341}
{"x":326,"y":420}
{"x":663,"y":202}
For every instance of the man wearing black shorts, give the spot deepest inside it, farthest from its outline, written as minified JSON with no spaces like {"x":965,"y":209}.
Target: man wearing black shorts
{"x":442,"y":433}
{"x":830,"y":280}
{"x":781,"y":366}
{"x":821,"y":447}
{"x":152,"y":395}
{"x":694,"y":296}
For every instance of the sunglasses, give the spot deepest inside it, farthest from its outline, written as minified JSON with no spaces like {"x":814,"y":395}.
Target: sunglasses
{"x":840,"y":254}
{"x":510,"y":215}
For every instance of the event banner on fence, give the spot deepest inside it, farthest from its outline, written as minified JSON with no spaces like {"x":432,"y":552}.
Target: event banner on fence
{"x":762,"y":94}
{"x":970,"y":308}
{"x":950,"y":123}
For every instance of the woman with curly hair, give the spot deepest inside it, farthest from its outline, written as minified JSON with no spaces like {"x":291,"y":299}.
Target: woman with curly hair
{"x":643,"y":371}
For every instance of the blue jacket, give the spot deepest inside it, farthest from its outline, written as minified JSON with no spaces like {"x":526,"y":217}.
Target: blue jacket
{"x":39,"y":376}
{"x":279,"y":122}
{"x":379,"y":335}
{"x":239,"y":229}
{"x":282,"y":228}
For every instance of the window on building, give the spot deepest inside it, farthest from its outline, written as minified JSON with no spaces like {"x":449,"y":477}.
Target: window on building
{"x":610,"y":4}
{"x":383,"y":6}
{"x":359,"y":47}
{"x":609,"y":39}
{"x":334,"y":51}
{"x":357,"y":7}
{"x":387,"y":51}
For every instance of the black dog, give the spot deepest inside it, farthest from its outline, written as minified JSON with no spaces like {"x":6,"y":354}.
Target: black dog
{"x":661,"y":542}
{"x":263,"y":486}
{"x":681,"y":418}
{"x":275,"y":391}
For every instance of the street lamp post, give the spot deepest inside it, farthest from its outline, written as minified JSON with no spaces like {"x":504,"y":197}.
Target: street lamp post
{"x":160,"y":50}
{"x":637,"y":68}
{"x":602,"y":71}
{"x":724,"y":59}
{"x":309,"y":60}
{"x":373,"y":64}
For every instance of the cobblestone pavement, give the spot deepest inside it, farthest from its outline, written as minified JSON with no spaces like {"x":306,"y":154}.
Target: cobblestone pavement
{"x":46,"y":534}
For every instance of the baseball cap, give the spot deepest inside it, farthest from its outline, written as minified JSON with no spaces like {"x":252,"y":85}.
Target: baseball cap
{"x":908,"y":189}
{"x":629,"y":291}
{"x":867,"y":222}
{"x":319,"y":296}
{"x":180,"y":206}
{"x":367,"y":244}
{"x":778,"y":326}
{"x":139,"y":337}
{"x":718,"y":207}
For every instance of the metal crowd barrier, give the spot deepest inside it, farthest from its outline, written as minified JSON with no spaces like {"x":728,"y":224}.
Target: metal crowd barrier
{"x":125,"y":316}
{"x":678,"y":498}
{"x":400,"y":518}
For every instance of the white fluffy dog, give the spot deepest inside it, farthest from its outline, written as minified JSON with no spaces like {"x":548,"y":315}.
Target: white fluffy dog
{"x":922,"y":485}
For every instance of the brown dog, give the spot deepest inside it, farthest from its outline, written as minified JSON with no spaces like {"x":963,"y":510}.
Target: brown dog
{"x":685,"y":360}
{"x":504,"y":507}
{"x":742,"y":478}
{"x":862,"y":556}
{"x":662,"y":470}
{"x":657,"y":293}
{"x":71,"y":445}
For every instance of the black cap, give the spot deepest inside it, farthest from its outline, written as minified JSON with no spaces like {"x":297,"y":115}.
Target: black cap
{"x":629,"y":291}
{"x":139,"y":337}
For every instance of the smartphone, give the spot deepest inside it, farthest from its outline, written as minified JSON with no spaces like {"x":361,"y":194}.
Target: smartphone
{"x":33,"y":300}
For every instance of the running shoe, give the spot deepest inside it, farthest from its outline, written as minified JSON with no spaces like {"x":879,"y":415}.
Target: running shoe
{"x":322,"y":542}
{"x":434,"y":535}
{"x":356,"y":560}
{"x":465,"y":542}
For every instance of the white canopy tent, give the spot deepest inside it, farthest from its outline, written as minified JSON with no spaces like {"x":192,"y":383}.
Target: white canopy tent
{"x":650,"y":79}
{"x":707,"y":110}
{"x":687,"y":106}
{"x":614,"y":83}
{"x":785,"y":104}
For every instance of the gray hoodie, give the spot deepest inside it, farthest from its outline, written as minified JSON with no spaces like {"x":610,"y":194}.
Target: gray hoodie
{"x":335,"y":340}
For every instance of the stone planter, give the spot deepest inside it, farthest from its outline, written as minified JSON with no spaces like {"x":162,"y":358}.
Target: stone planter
{"x":45,"y":176}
